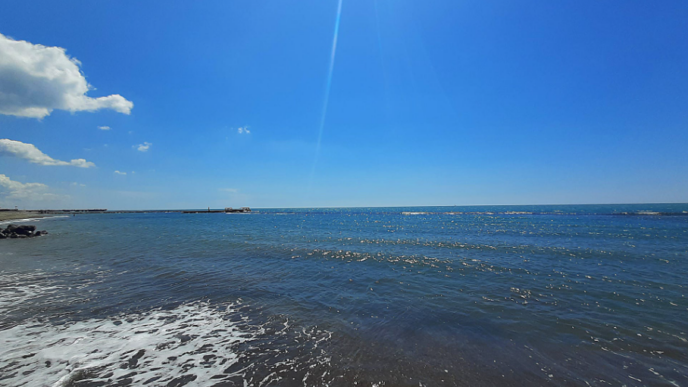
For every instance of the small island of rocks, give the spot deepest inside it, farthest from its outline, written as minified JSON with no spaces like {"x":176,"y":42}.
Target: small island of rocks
{"x":26,"y":231}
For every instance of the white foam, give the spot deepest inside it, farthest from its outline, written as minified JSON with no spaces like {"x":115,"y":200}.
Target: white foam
{"x":16,"y":289}
{"x":193,"y":340}
{"x":20,"y":220}
{"x":32,"y":219}
{"x":648,"y":213}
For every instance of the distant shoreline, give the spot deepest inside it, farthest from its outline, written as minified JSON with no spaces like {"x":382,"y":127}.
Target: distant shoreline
{"x":19,"y":215}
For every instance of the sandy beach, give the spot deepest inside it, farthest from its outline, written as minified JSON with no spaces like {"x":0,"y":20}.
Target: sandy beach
{"x":15,"y":215}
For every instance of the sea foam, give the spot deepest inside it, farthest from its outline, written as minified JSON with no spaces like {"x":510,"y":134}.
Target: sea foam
{"x":191,"y":343}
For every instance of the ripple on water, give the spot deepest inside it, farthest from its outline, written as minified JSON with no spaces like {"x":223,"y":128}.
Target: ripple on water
{"x":195,"y":344}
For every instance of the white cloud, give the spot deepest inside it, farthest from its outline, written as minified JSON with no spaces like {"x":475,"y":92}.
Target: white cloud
{"x":13,"y":192}
{"x":244,"y":130}
{"x":104,"y":128}
{"x":35,"y":80}
{"x":143,"y":147}
{"x":230,"y":190}
{"x":75,"y":184}
{"x":34,"y":155}
{"x":120,"y":173}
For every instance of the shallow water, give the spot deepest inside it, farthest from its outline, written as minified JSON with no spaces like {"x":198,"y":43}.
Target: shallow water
{"x":493,"y":296}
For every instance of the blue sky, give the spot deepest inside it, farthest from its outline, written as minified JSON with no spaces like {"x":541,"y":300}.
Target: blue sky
{"x":430,"y":103}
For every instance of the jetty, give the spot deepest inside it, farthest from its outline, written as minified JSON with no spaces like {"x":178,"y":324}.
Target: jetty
{"x":10,"y":214}
{"x":228,"y":210}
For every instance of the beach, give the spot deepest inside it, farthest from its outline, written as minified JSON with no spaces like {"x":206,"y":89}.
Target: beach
{"x":6,"y":216}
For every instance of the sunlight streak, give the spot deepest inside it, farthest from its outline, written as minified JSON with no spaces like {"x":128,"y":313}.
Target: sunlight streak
{"x":327,"y":93}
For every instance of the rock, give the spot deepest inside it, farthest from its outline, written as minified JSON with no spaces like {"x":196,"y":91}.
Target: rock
{"x":25,"y":231}
{"x":20,"y":230}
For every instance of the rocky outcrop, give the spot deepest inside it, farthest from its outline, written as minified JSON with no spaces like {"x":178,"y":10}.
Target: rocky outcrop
{"x":26,"y":231}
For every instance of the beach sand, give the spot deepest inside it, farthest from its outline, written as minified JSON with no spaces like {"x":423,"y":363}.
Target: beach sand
{"x":16,"y":215}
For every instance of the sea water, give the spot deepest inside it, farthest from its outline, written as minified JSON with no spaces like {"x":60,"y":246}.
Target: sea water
{"x":429,"y":296}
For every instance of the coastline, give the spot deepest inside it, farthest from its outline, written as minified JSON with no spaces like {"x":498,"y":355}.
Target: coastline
{"x":6,"y":216}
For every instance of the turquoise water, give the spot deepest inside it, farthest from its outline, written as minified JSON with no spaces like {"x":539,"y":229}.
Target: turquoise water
{"x":493,"y":296}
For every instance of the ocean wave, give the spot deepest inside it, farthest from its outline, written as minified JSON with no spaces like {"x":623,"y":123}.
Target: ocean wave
{"x":13,"y":296}
{"x":191,"y":343}
{"x":32,"y":219}
{"x":20,"y":289}
{"x":652,"y":213}
{"x":195,"y":343}
{"x":477,"y":213}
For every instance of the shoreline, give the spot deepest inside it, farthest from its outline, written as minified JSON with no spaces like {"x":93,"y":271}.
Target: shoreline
{"x":7,"y":216}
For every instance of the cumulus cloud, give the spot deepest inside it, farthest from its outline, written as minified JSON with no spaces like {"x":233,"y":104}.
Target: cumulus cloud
{"x":120,"y":173}
{"x":15,"y":192}
{"x":35,"y":80}
{"x":32,"y":154}
{"x":244,"y":130}
{"x":143,"y":147}
{"x":104,"y":127}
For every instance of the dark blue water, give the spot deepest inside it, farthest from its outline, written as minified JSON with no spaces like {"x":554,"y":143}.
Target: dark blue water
{"x":467,"y":296}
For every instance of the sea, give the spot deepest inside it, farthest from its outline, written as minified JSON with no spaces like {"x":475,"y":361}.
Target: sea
{"x":584,"y":295}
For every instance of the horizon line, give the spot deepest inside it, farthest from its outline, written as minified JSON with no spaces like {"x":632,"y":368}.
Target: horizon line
{"x":333,"y":207}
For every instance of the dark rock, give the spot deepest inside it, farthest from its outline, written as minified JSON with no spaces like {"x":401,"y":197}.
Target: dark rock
{"x":20,"y":230}
{"x":25,"y":231}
